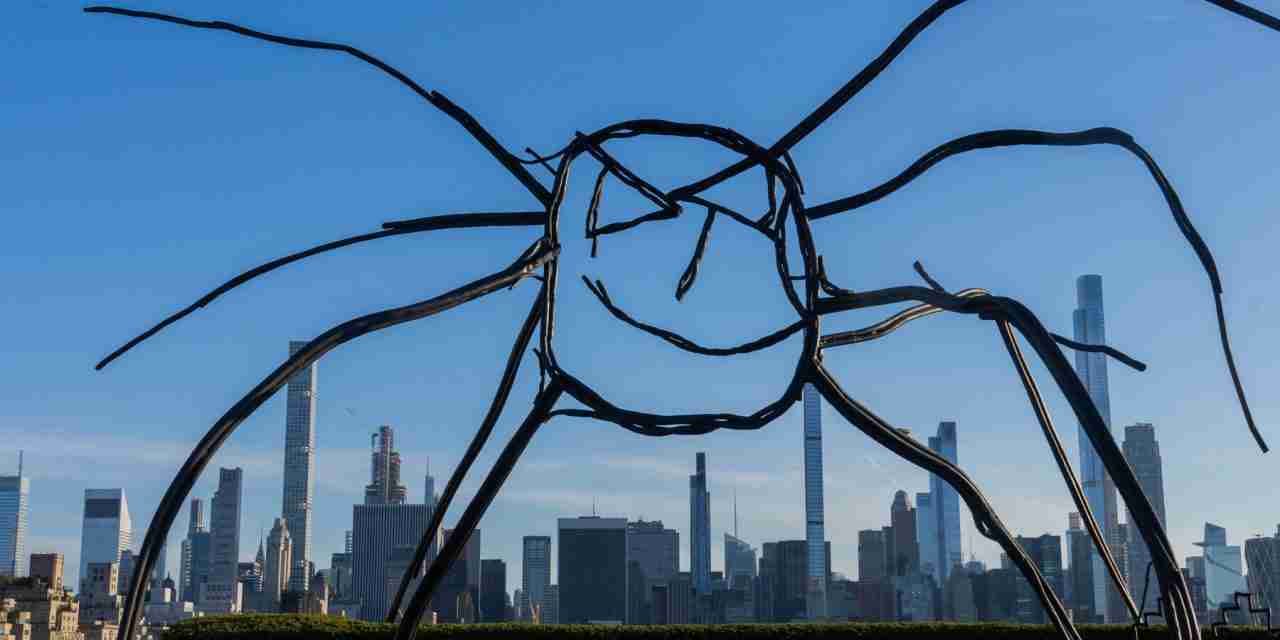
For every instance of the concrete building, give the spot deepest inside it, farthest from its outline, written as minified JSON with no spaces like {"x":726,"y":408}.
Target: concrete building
{"x":384,"y":486}
{"x":107,"y":529}
{"x":48,"y":567}
{"x":814,"y":508}
{"x":41,"y":612}
{"x":277,"y":564}
{"x":298,"y":498}
{"x":14,"y":624}
{"x":493,"y":590}
{"x":535,"y":575}
{"x":592,"y":563}
{"x":222,"y":593}
{"x":14,"y":492}
{"x":1142,"y":452}
{"x":1099,"y":489}
{"x":653,"y":556}
{"x":101,"y":600}
{"x":377,"y":530}
{"x":699,"y":527}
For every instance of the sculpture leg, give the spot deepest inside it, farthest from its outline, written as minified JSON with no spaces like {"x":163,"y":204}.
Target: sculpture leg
{"x":456,"y":542}
{"x":477,"y":442}
{"x":985,"y":518}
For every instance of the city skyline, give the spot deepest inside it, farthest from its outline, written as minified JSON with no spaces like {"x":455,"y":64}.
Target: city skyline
{"x":55,"y":404}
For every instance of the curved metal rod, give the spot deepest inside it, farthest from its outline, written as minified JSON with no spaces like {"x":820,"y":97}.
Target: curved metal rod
{"x":417,"y":225}
{"x":1100,"y":135}
{"x":684,"y":343}
{"x":172,"y":502}
{"x":1118,"y":355}
{"x":473,"y":449}
{"x":509,"y":161}
{"x":690,"y":274}
{"x":1001,"y":308}
{"x":1064,"y":465}
{"x":456,"y":542}
{"x":985,"y":518}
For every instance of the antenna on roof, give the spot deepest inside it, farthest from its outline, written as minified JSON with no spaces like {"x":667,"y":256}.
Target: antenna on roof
{"x":735,"y":512}
{"x":19,"y":463}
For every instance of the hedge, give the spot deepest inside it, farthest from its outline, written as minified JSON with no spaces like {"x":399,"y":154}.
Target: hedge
{"x":298,"y":627}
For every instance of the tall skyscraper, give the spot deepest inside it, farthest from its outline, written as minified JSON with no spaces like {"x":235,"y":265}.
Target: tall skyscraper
{"x":739,"y":559}
{"x":13,"y":523}
{"x":699,"y":528}
{"x":493,"y":590}
{"x":1223,"y":571}
{"x":299,"y":467}
{"x":872,"y":555}
{"x":1099,"y":490}
{"x":222,"y":592}
{"x":592,"y":563}
{"x":944,"y":508}
{"x":430,"y":497}
{"x":1142,"y":452}
{"x":1079,"y":582}
{"x":784,"y":579}
{"x":535,"y":574}
{"x":377,"y":531}
{"x":1046,"y":553}
{"x":107,"y":528}
{"x":814,"y":518}
{"x":905,"y":557}
{"x":194,"y":567}
{"x":384,"y":486}
{"x":277,"y":565}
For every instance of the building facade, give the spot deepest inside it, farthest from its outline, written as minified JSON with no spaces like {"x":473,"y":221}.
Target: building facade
{"x":277,"y":565}
{"x":535,"y":575}
{"x":1046,"y":554}
{"x":653,"y":556}
{"x":1262,"y":556}
{"x":458,"y":597}
{"x":814,"y":508}
{"x":700,"y":527}
{"x":493,"y":590}
{"x":592,"y":563}
{"x":1142,"y":452}
{"x":1099,"y":489}
{"x":946,"y":547}
{"x":377,"y":530}
{"x":1223,"y":571}
{"x":107,"y":529}
{"x":784,"y":579}
{"x":14,"y":492}
{"x":222,"y":593}
{"x":299,"y":468}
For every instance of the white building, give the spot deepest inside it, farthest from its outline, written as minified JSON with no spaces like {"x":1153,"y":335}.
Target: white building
{"x":107,"y":529}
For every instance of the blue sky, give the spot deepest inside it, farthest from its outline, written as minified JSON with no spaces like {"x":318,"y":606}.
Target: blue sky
{"x":145,"y":164}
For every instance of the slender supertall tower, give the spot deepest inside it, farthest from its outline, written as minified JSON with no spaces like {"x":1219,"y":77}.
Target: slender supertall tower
{"x":1099,"y":490}
{"x":299,"y":467}
{"x":814,"y":519}
{"x":700,"y":527}
{"x":944,"y":507}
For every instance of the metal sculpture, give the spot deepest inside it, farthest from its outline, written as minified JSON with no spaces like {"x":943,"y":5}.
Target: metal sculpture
{"x":818,"y":297}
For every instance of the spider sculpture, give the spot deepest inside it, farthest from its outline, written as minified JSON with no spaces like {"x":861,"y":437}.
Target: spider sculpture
{"x":783,"y":212}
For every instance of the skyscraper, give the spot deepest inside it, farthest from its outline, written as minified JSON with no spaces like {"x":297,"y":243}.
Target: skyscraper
{"x":13,"y":523}
{"x":653,"y":556}
{"x":299,"y":467}
{"x":927,"y":536}
{"x":1099,"y":490}
{"x":1223,"y":572}
{"x":1142,"y":452}
{"x":384,"y":486}
{"x":458,"y":597}
{"x":699,"y":528}
{"x":277,"y":565}
{"x":1262,"y":555}
{"x":871,"y":555}
{"x":814,"y":518}
{"x":377,"y":531}
{"x":429,"y":497}
{"x":784,"y":579}
{"x":222,"y":592}
{"x":1046,"y":554}
{"x":535,"y":574}
{"x":1079,"y":582}
{"x":944,"y":508}
{"x":739,"y":558}
{"x":905,"y":557}
{"x":186,"y":559}
{"x":592,"y":563}
{"x":107,"y":528}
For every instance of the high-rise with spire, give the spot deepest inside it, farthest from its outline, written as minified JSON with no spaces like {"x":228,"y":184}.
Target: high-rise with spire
{"x":277,"y":564}
{"x":700,"y":527}
{"x":1099,"y":490}
{"x":299,"y":467}
{"x":814,"y":518}
{"x":13,"y":523}
{"x":384,"y":486}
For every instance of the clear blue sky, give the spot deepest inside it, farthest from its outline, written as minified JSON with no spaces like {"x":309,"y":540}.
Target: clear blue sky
{"x":144,"y":164}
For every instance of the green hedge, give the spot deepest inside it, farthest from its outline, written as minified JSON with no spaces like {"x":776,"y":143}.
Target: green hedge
{"x":297,"y":627}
